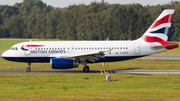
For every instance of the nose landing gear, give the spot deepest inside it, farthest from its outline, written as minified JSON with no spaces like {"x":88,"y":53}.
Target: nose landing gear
{"x":29,"y":67}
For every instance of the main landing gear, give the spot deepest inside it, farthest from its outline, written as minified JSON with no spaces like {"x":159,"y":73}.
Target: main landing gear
{"x":86,"y":69}
{"x":29,"y":67}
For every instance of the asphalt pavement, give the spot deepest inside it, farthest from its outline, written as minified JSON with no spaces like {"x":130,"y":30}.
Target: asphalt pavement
{"x":92,"y":71}
{"x":146,"y":71}
{"x":161,"y":57}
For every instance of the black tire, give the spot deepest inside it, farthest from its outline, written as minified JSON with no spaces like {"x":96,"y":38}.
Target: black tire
{"x":28,"y":70}
{"x":86,"y":69}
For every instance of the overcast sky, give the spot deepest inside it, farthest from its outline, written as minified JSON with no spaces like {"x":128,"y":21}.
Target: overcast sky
{"x":66,"y":3}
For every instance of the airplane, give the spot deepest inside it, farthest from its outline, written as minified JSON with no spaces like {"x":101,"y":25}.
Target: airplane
{"x":69,"y":54}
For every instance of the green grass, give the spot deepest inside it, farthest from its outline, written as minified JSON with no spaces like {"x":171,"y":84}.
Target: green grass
{"x":65,"y":87}
{"x":6,"y":44}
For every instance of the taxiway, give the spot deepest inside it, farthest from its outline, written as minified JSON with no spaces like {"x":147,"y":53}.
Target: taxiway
{"x":92,"y":71}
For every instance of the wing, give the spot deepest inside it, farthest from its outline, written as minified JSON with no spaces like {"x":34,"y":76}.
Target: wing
{"x":91,"y":56}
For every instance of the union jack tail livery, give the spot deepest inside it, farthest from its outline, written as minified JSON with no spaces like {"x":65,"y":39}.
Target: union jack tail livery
{"x":159,"y":30}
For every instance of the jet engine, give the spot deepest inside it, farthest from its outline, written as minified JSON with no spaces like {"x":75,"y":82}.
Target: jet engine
{"x":62,"y":63}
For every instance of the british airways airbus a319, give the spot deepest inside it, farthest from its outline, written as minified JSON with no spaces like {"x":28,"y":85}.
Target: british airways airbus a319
{"x":69,"y":54}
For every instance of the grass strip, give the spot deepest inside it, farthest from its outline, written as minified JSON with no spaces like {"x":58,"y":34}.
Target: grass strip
{"x":50,"y":87}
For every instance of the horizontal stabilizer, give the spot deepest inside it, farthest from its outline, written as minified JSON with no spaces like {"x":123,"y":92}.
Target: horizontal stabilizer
{"x":165,"y":45}
{"x":160,"y":47}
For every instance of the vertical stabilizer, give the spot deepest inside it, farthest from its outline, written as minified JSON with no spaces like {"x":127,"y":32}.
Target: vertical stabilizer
{"x":159,"y":30}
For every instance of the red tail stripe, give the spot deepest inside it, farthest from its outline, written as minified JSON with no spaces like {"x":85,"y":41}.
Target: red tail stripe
{"x":152,"y":39}
{"x":162,"y":20}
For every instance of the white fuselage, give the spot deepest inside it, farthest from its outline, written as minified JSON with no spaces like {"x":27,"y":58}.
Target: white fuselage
{"x":121,"y":50}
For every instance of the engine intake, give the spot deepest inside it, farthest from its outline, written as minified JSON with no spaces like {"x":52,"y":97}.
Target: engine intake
{"x":62,"y":63}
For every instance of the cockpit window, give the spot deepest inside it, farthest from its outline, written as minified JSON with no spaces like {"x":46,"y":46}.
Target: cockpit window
{"x":13,"y":48}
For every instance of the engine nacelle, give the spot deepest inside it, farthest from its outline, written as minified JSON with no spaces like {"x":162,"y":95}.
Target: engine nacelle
{"x":62,"y":63}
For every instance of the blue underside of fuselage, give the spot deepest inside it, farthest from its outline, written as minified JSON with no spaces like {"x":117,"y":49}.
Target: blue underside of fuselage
{"x":47,"y":59}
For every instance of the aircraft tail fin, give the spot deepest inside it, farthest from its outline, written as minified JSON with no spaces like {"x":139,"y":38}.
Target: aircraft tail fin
{"x":159,"y":30}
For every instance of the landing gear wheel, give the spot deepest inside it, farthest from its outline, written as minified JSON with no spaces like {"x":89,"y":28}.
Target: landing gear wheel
{"x":28,"y":70}
{"x":29,"y":67}
{"x":86,"y":69}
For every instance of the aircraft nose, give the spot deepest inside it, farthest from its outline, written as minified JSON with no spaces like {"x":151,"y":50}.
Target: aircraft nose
{"x":4,"y":54}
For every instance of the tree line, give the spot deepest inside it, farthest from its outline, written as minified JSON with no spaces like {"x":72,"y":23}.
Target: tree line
{"x":35,"y":19}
